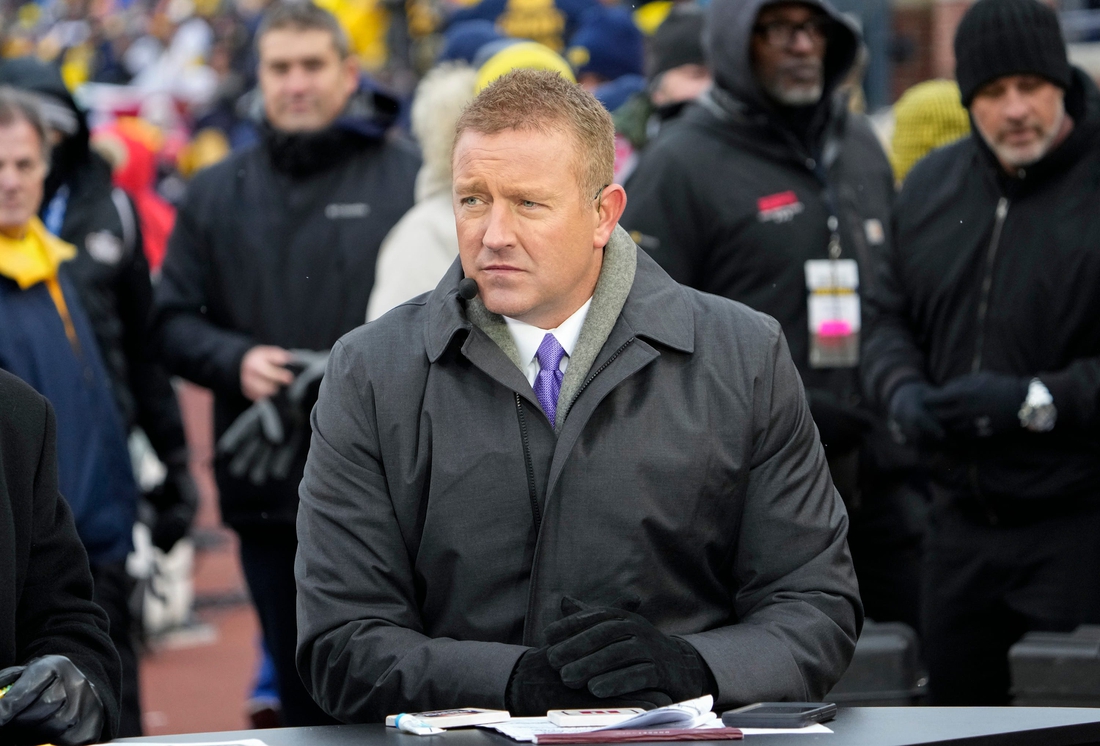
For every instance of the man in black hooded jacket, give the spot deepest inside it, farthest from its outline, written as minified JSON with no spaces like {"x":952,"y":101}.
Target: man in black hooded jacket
{"x":765,"y":188}
{"x":81,"y":205}
{"x":273,"y":253}
{"x":984,"y":346}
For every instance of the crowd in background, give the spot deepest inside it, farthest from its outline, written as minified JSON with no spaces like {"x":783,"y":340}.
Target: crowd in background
{"x":151,"y":96}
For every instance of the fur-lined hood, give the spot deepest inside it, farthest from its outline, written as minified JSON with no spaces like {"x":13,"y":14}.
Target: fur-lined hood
{"x":439,"y":101}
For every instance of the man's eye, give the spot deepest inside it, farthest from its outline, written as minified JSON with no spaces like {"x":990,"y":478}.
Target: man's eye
{"x":470,"y":201}
{"x":529,"y":204}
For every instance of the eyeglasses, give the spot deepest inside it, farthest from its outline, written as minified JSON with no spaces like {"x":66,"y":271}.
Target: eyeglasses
{"x":780,"y":34}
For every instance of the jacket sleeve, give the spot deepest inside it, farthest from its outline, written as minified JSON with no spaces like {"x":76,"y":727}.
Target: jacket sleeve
{"x":55,"y":614}
{"x":795,"y":593}
{"x":661,"y":214}
{"x":158,"y":411}
{"x":363,"y":651}
{"x":190,"y":343}
{"x":891,"y":355}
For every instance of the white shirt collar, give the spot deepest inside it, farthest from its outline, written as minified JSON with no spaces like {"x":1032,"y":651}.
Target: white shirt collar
{"x":528,"y":338}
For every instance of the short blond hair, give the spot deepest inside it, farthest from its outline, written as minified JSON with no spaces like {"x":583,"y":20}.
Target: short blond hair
{"x":544,"y":102}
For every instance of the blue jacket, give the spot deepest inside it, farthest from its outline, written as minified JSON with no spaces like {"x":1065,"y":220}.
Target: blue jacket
{"x":93,"y":458}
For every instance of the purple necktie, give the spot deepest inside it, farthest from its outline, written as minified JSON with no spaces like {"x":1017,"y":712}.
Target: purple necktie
{"x":548,"y":381}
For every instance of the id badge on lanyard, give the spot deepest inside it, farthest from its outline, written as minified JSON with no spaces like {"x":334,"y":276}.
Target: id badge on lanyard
{"x":834,"y":311}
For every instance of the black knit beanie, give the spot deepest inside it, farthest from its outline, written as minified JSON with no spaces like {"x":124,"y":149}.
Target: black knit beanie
{"x":677,"y":41}
{"x":1008,"y":37}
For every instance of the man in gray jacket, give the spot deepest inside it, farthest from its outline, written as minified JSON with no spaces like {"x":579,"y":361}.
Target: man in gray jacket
{"x":561,"y":479}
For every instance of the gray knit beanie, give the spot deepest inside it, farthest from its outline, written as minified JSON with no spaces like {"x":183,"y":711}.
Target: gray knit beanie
{"x":1009,"y":37}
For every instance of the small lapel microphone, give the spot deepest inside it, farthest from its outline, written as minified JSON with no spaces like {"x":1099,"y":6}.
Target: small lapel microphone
{"x":467,"y":289}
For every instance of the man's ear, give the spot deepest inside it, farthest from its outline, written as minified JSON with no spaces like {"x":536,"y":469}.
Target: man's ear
{"x":612,"y":202}
{"x":351,"y":69}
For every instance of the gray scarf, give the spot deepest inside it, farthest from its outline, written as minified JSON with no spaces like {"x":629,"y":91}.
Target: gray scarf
{"x":620,"y":260}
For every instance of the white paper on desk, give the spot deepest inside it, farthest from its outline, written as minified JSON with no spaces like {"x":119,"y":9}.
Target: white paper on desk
{"x":694,"y":713}
{"x":241,"y":742}
{"x":815,"y":728}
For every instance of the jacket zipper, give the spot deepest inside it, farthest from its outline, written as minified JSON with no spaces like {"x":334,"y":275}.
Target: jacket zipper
{"x":979,"y":342}
{"x":599,"y":370}
{"x":536,"y":512}
{"x":532,"y":492}
{"x":987,"y":282}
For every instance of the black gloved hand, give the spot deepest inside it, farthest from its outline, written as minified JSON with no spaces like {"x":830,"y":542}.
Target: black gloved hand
{"x":175,"y":502}
{"x":911,"y":421}
{"x":840,"y":425}
{"x":252,"y":441}
{"x":535,"y":688}
{"x":49,"y":701}
{"x":614,"y":652}
{"x":979,"y":404}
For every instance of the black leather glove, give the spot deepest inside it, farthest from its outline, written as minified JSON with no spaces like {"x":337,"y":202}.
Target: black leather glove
{"x":49,"y":701}
{"x":175,"y":502}
{"x":257,"y":441}
{"x":841,"y":426}
{"x":613,"y":652}
{"x":911,"y":421}
{"x":535,"y":688}
{"x":979,"y":405}
{"x":301,"y":395}
{"x":263,"y":442}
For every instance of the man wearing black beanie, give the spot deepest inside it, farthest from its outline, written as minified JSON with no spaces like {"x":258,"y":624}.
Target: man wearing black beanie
{"x":982,"y":345}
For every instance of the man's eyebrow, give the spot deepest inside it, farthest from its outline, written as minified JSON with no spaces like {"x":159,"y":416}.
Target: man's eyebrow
{"x":468,"y":185}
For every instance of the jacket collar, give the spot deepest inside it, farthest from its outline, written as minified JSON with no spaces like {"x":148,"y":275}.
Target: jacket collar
{"x":35,"y":257}
{"x":656,"y":307}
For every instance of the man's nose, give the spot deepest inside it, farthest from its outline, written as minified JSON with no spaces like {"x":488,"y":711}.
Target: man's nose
{"x":9,"y":179}
{"x":801,"y":43}
{"x":1015,"y":105}
{"x":297,"y":79}
{"x":500,"y":229}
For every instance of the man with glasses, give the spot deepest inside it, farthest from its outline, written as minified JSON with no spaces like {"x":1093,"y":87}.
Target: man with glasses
{"x":769,"y":191}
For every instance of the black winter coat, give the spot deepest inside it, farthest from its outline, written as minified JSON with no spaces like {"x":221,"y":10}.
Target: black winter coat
{"x":735,"y":197}
{"x":112,"y":278}
{"x":262,"y":257}
{"x":961,"y":222}
{"x":45,"y":585}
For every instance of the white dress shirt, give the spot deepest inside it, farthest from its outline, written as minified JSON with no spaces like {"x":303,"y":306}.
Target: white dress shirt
{"x":528,"y":338}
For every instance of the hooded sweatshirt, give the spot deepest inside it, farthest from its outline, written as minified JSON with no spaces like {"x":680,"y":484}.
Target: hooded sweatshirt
{"x":735,"y":196}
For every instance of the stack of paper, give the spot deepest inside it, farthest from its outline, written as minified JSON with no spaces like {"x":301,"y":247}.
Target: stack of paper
{"x":675,"y":722}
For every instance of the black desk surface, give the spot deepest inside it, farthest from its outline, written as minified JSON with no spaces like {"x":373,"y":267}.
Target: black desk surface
{"x":856,"y":726}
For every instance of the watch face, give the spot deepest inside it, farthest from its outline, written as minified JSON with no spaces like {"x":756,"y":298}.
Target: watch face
{"x":1039,"y":419}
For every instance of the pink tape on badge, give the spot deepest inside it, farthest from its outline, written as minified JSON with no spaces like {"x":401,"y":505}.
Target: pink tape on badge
{"x":835,"y":329}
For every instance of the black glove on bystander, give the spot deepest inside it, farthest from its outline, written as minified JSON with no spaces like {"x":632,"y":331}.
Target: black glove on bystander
{"x":175,"y":501}
{"x":911,"y":421}
{"x":49,"y":701}
{"x":613,"y":652}
{"x":979,"y":404}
